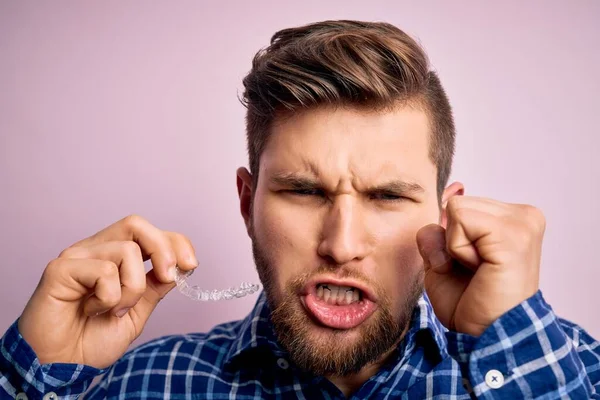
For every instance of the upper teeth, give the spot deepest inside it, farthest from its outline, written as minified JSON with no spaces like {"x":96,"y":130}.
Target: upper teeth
{"x":339,"y":295}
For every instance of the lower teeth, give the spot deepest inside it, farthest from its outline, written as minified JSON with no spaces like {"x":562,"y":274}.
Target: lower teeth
{"x":341,"y":297}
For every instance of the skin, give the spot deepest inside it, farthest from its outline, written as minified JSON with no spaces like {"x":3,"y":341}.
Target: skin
{"x":480,"y":257}
{"x":97,"y":296}
{"x":337,"y":218}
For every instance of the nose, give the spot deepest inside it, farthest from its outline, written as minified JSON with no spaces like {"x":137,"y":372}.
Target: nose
{"x":344,"y":235}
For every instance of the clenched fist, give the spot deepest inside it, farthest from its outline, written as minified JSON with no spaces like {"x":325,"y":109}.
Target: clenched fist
{"x":93,"y":301}
{"x":483,"y":263}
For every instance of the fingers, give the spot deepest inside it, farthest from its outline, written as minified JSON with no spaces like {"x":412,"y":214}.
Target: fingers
{"x":431,"y":241}
{"x":482,"y":204}
{"x":98,"y":276}
{"x":469,"y":233}
{"x":131,"y":272}
{"x":155,"y":292}
{"x":165,"y":249}
{"x":184,"y":251}
{"x":439,"y":246}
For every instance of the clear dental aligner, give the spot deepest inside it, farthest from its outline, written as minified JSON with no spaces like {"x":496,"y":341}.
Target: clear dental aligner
{"x":195,"y":293}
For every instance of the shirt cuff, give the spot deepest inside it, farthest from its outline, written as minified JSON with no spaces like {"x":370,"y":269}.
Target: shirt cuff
{"x":524,"y":352}
{"x":21,"y":372}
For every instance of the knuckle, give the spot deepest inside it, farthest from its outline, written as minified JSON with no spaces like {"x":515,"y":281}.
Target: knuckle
{"x":538,"y":218}
{"x":460,"y":214}
{"x":180,"y":238}
{"x":453,"y":202}
{"x":71,"y":252}
{"x":52,"y":269}
{"x":176,"y":236}
{"x":454,"y":243}
{"x":133,"y":221}
{"x":522,"y":238}
{"x":111,"y":297}
{"x":131,"y":248}
{"x":534,"y":218}
{"x":137,"y":288}
{"x":108,"y":269}
{"x":170,"y":258}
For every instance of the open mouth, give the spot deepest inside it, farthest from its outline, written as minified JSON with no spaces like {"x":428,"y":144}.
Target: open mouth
{"x":338,"y":295}
{"x":338,"y":304}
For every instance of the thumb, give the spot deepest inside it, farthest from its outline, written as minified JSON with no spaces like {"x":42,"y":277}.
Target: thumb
{"x":431,"y":241}
{"x":155,"y":292}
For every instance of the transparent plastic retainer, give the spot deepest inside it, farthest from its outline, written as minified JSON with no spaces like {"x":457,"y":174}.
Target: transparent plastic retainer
{"x":195,"y":293}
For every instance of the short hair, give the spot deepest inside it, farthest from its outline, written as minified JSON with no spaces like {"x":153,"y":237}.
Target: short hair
{"x":367,"y":65}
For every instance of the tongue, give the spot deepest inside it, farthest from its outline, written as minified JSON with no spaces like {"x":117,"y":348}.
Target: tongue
{"x":344,"y":316}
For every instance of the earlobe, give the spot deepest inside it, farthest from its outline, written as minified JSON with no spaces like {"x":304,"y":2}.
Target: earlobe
{"x":455,"y":189}
{"x":244,"y":188}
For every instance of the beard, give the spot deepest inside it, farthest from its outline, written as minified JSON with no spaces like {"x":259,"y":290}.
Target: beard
{"x":331,"y":351}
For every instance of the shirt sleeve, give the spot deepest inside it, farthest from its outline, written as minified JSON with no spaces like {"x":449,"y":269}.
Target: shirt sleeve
{"x":21,"y":372}
{"x":527,"y":353}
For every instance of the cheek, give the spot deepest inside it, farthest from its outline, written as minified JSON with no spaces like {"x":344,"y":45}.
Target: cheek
{"x":287,"y":236}
{"x":400,"y":264}
{"x":397,"y":254}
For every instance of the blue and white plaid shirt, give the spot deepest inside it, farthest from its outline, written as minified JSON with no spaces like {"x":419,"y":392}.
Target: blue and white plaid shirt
{"x":528,"y":353}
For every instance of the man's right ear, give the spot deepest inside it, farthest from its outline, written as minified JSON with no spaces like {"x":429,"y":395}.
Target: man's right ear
{"x":244,"y":187}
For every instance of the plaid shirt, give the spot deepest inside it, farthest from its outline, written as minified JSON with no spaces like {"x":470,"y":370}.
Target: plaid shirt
{"x":527,"y":353}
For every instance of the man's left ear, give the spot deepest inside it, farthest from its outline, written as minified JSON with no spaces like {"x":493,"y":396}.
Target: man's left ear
{"x":455,"y":189}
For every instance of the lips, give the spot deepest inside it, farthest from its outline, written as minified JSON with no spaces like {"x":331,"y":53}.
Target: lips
{"x":338,"y":304}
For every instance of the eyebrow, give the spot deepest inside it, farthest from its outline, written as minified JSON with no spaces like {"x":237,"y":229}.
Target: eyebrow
{"x":296,"y":181}
{"x":398,"y":187}
{"x":293,"y":180}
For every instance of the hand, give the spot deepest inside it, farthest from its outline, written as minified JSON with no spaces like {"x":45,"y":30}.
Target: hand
{"x":484,"y":263}
{"x":93,"y":301}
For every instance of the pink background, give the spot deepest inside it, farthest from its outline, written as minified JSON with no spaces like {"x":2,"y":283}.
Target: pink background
{"x":111,"y":108}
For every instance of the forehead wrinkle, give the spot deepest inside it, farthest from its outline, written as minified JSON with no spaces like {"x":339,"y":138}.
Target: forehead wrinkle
{"x":344,"y":173}
{"x":332,"y":173}
{"x":311,"y":167}
{"x":374,"y":173}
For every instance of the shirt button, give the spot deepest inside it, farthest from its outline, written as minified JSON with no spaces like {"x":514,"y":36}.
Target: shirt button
{"x":50,"y":396}
{"x":494,"y":379}
{"x":282,"y":363}
{"x":21,"y":396}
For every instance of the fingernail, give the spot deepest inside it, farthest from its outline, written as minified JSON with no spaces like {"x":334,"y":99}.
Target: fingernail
{"x":122,"y":312}
{"x":438,"y":258}
{"x":173,"y":273}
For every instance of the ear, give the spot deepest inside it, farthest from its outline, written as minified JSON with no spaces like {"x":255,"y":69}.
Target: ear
{"x":244,"y":188}
{"x":455,"y":189}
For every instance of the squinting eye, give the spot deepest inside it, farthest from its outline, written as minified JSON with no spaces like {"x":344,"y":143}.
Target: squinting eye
{"x":387,"y":197}
{"x":306,"y":192}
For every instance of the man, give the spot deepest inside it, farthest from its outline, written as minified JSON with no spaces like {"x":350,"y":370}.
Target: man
{"x":351,"y":140}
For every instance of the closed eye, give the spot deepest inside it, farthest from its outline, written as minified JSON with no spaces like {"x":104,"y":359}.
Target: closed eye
{"x":387,"y":196}
{"x":306,"y":192}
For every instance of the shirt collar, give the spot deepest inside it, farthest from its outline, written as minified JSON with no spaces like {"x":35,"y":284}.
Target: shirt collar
{"x":424,"y":322}
{"x":256,"y":331}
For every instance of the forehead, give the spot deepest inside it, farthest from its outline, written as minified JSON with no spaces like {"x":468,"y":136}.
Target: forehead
{"x":352,"y":143}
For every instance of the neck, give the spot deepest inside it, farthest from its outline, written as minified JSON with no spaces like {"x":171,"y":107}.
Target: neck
{"x":349,"y":384}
